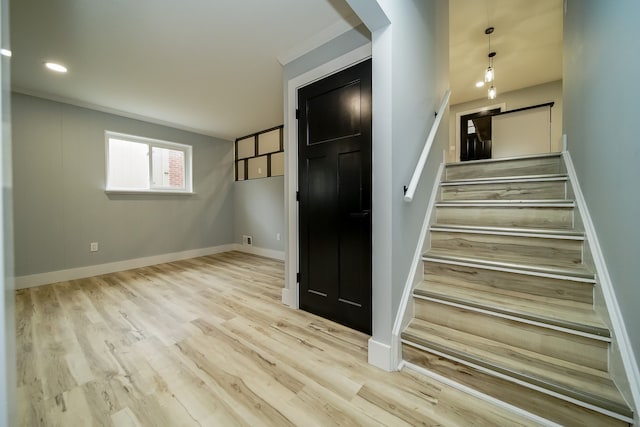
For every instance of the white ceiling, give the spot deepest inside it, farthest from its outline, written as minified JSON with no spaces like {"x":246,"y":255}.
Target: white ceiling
{"x":212,"y":66}
{"x":205,"y":65}
{"x":527,"y":41}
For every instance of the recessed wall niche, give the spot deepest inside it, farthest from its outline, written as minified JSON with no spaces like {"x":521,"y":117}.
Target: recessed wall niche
{"x":260,"y":155}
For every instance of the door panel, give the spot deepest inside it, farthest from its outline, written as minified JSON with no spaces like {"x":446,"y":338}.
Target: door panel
{"x":354,"y":225}
{"x":322,"y":271}
{"x":326,"y":122}
{"x":334,"y":149}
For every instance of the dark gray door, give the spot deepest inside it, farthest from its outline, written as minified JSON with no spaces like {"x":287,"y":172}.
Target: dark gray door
{"x":334,"y":163}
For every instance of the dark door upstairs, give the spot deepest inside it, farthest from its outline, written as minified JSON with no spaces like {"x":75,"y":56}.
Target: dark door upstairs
{"x":475,"y":135}
{"x":334,"y":163}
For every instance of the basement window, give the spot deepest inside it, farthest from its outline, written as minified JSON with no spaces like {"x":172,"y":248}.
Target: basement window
{"x":143,"y":165}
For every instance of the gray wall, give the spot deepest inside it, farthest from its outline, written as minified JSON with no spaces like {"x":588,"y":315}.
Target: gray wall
{"x":8,"y":406}
{"x":533,"y":95}
{"x":60,"y":205}
{"x":601,"y":107}
{"x":420,"y":61}
{"x":259,"y":211}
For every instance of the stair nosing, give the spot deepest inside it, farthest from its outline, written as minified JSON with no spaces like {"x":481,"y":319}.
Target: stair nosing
{"x":567,"y":326}
{"x":552,"y":272}
{"x":505,"y":159}
{"x":560,"y":389}
{"x":552,"y":177}
{"x":551,"y":233}
{"x":533,"y":203}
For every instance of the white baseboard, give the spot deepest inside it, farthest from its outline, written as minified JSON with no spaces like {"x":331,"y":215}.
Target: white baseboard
{"x":415,"y":274}
{"x":286,"y":298}
{"x":32,"y":280}
{"x":620,"y":331}
{"x":268,"y":253}
{"x":380,"y":355}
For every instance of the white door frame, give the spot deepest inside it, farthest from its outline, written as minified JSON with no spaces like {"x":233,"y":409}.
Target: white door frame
{"x":290,"y":291}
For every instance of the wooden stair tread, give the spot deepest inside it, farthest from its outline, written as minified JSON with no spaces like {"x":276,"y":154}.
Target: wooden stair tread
{"x":485,"y":251}
{"x":432,"y":276}
{"x":569,"y":291}
{"x":575,"y":270}
{"x":506,"y":305}
{"x":578,"y":316}
{"x":532,"y":187}
{"x":549,"y":214}
{"x":505,"y":159}
{"x":525,"y":231}
{"x":548,"y":407}
{"x":507,"y":179}
{"x":509,"y":203}
{"x":515,"y":166}
{"x":587,"y":385}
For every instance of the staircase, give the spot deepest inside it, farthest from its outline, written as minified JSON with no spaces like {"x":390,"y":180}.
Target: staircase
{"x":506,"y":304}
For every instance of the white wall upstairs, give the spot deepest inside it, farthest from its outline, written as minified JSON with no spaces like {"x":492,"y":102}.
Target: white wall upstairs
{"x":534,"y":95}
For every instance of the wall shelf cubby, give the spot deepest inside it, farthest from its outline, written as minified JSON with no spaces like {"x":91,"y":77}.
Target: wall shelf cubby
{"x":260,"y":155}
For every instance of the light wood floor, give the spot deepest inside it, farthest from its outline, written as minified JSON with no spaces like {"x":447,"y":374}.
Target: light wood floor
{"x":206,"y":342}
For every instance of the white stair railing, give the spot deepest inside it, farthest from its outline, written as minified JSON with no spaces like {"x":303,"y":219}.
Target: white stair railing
{"x":417,"y":173}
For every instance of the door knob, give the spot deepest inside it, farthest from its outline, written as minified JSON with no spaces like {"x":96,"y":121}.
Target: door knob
{"x":362,"y":214}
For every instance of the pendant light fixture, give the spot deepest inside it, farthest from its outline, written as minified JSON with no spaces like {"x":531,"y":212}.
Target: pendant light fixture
{"x":492,"y":92}
{"x":490,"y":73}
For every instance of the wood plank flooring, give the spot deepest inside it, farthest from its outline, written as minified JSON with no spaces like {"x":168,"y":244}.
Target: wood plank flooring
{"x":206,"y":342}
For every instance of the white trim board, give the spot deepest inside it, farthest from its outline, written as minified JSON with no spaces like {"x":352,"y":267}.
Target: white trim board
{"x":340,"y":27}
{"x":264,"y":252}
{"x":33,"y":280}
{"x":379,"y":355}
{"x":290,"y":291}
{"x":617,"y":321}
{"x":402,"y":317}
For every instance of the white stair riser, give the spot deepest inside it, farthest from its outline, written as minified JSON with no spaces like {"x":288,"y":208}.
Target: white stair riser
{"x":514,"y":167}
{"x":501,"y":281}
{"x":506,"y":216}
{"x":545,"y":190}
{"x":518,"y":249}
{"x":559,"y":344}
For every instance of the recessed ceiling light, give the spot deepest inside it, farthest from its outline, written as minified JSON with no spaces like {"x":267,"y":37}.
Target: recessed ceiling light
{"x":54,"y":66}
{"x":5,"y":52}
{"x":479,"y":84}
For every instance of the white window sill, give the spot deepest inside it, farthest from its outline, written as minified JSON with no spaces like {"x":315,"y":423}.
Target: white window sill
{"x":151,"y":192}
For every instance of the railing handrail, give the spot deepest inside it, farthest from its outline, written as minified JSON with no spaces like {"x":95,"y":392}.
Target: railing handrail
{"x":417,"y":173}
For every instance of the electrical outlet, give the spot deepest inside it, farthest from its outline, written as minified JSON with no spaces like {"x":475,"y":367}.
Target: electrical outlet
{"x":93,"y":247}
{"x":247,"y":240}
{"x":278,"y":236}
